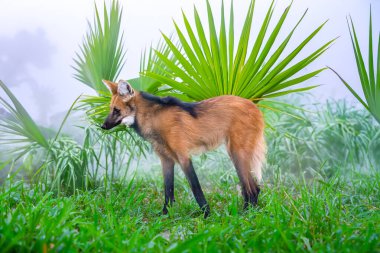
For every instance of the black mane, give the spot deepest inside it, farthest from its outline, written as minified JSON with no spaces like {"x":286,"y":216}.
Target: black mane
{"x":171,"y":101}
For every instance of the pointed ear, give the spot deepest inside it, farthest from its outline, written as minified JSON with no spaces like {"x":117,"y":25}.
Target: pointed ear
{"x":111,"y":86}
{"x":125,"y":89}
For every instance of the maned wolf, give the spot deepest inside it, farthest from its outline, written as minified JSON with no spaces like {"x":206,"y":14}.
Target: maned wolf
{"x":177,"y":130}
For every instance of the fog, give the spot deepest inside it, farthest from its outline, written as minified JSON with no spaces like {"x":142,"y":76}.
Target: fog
{"x":39,"y":38}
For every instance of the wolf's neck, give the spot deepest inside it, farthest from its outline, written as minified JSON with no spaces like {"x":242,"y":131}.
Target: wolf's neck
{"x":145,"y":112}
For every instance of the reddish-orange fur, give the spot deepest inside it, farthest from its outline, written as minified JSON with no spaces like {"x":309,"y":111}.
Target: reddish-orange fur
{"x":176,"y":134}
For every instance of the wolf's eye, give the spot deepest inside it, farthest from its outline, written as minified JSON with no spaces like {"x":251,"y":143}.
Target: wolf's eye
{"x":116,"y":112}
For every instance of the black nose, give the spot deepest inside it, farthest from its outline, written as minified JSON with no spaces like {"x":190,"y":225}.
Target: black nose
{"x":104,"y":126}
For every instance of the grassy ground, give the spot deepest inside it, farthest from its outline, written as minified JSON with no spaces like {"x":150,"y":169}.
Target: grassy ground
{"x":321,"y":193}
{"x":339,"y":214}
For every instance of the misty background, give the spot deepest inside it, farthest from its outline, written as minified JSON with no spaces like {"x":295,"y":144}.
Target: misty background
{"x":38,"y":40}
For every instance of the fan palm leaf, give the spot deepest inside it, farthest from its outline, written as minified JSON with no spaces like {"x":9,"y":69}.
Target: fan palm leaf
{"x":207,"y":64}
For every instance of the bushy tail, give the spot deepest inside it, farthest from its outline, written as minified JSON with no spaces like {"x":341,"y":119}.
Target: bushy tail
{"x":258,"y":158}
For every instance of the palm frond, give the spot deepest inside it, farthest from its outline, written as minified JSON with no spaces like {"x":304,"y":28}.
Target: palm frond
{"x":102,"y":53}
{"x":207,"y":64}
{"x":149,"y":61}
{"x":369,"y":78}
{"x":19,"y":127}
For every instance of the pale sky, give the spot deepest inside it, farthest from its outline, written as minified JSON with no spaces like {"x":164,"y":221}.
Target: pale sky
{"x":39,"y":38}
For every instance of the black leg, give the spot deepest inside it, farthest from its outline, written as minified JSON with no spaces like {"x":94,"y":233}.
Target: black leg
{"x":168,"y":173}
{"x":251,"y":195}
{"x":250,"y":189}
{"x":192,"y":178}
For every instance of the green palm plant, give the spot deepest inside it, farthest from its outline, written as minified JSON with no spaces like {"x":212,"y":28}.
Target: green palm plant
{"x":370,"y":80}
{"x":205,"y":68}
{"x":102,"y":56}
{"x":102,"y":52}
{"x":60,"y":163}
{"x":97,"y":107}
{"x":19,"y":129}
{"x":149,"y":61}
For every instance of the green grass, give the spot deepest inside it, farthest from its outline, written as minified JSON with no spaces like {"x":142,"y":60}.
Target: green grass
{"x":338,"y":214}
{"x":321,"y":193}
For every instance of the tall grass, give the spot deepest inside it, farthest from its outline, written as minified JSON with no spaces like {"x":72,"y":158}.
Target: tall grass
{"x":329,"y":139}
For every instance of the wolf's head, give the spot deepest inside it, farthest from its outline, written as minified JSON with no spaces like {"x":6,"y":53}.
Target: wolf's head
{"x":122,"y":107}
